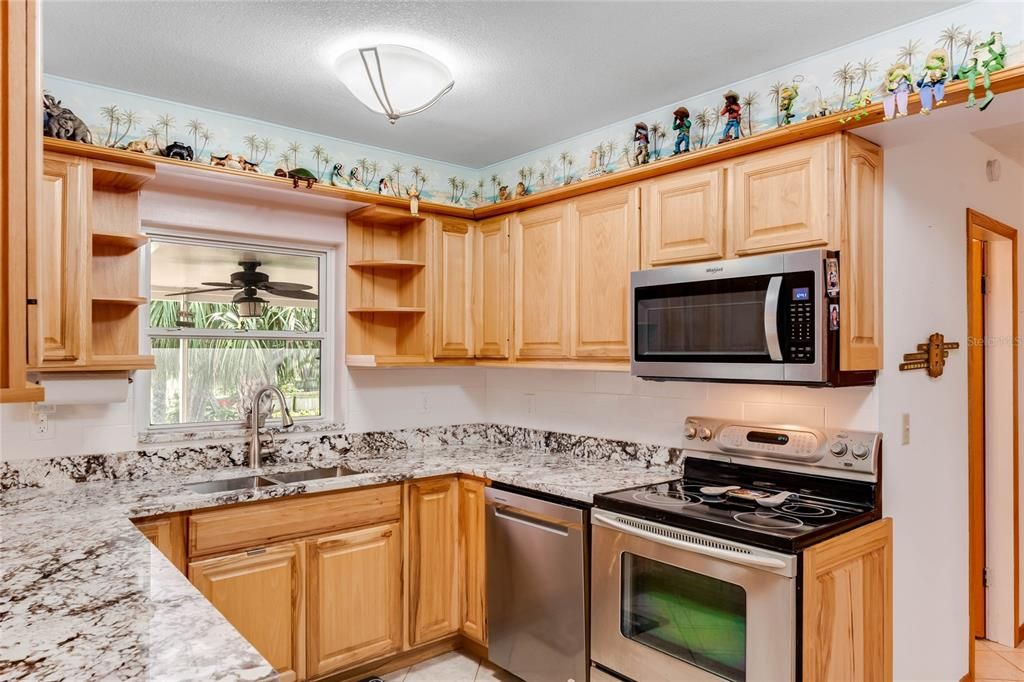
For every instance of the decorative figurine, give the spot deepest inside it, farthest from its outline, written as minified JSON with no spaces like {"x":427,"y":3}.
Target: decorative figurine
{"x":338,"y":174}
{"x":179,"y":151}
{"x":897,"y":88}
{"x":932,"y":84}
{"x":859,"y":104}
{"x":733,"y":111}
{"x":226,"y":161}
{"x":249,"y":166}
{"x":354,"y":175}
{"x":503,"y":193}
{"x":61,"y":123}
{"x":382,"y":186}
{"x":414,"y":199}
{"x":143,"y":146}
{"x":821,"y":107}
{"x":681,"y":122}
{"x":297,"y":175}
{"x":988,"y":57}
{"x":787,"y":101}
{"x":520,"y":190}
{"x":642,"y":142}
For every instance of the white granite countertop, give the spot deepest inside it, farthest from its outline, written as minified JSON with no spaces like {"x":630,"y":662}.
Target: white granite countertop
{"x":84,"y":596}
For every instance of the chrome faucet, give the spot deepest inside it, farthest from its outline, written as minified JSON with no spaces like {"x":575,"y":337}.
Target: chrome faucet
{"x":257,"y":420}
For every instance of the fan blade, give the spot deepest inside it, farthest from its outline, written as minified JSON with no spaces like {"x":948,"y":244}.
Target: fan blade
{"x":200,"y":291}
{"x":283,"y":286}
{"x":305,"y":295}
{"x":229,"y":285}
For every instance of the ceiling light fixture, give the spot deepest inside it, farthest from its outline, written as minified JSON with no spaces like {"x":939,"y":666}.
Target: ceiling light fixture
{"x":414,"y":80}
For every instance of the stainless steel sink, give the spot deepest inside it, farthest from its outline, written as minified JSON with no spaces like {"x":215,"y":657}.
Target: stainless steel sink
{"x":312,"y":474}
{"x":229,"y":484}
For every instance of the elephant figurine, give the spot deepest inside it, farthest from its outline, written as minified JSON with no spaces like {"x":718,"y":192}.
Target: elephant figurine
{"x":61,"y":123}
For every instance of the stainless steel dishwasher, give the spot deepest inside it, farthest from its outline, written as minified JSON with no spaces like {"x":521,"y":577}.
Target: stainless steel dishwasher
{"x":537,"y":587}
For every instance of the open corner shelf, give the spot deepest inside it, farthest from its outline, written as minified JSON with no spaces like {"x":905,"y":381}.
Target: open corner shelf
{"x":119,"y":177}
{"x":116,"y":240}
{"x":376,"y":215}
{"x":388,"y":264}
{"x":388,"y":309}
{"x":120,"y":300}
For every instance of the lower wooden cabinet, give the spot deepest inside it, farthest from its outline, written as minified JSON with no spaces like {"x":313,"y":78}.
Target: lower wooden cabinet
{"x":355,"y":597}
{"x":473,"y":559}
{"x":431,"y":535}
{"x":847,"y":606}
{"x":167,"y":533}
{"x":262,"y":593}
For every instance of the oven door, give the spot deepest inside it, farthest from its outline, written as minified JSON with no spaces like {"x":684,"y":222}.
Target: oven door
{"x":749,"y":319}
{"x":668,"y":604}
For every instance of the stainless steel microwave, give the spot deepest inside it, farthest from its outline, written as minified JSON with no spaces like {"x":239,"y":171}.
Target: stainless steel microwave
{"x":769,"y":319}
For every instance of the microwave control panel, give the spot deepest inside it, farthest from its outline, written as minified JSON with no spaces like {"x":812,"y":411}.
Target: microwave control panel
{"x":800,"y":313}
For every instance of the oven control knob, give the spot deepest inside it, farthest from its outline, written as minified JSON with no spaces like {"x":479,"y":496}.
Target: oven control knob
{"x":860,"y":451}
{"x":838,"y":448}
{"x":705,"y":433}
{"x":690,"y":432}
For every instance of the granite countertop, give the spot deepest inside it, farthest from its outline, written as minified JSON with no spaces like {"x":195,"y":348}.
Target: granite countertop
{"x":85,"y":596}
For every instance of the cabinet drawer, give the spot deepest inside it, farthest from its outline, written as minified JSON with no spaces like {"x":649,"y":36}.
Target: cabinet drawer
{"x":254,"y":525}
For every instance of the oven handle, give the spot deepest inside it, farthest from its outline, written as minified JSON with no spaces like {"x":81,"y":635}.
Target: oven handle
{"x":771,"y":318}
{"x":751,"y":560}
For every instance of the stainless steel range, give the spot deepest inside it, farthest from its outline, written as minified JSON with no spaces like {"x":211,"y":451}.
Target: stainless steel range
{"x":696,"y":579}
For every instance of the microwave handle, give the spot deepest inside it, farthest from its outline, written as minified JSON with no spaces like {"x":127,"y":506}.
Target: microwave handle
{"x":771,"y":318}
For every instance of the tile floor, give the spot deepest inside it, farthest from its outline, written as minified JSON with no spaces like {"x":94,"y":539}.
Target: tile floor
{"x":997,"y":663}
{"x":455,"y":666}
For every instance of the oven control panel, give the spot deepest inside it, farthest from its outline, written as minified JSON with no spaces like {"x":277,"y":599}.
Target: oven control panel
{"x":791,"y":447}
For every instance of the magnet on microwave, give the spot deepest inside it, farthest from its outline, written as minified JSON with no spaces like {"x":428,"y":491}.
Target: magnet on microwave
{"x":832,"y":277}
{"x":833,"y":317}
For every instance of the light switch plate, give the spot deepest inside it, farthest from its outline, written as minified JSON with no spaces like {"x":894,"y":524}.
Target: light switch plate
{"x":906,"y":428}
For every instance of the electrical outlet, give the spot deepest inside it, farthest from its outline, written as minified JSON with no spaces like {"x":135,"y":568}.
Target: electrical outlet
{"x":906,"y":428}
{"x":41,"y":426}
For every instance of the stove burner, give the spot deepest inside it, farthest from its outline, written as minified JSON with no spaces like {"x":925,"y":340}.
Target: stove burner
{"x":669,"y":498}
{"x":767,"y":521}
{"x":806,"y":509}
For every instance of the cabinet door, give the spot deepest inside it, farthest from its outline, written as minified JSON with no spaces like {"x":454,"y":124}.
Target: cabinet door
{"x":782,"y":198}
{"x":453,"y":322}
{"x":473,"y":559}
{"x":432,"y":538}
{"x":605,"y":249}
{"x":355,"y":597}
{"x":167,"y":533}
{"x":260,"y":592}
{"x":847,"y":610}
{"x":492,"y":289}
{"x":58,"y":259}
{"x":684,"y":217}
{"x":860,"y":258}
{"x":542,"y":294}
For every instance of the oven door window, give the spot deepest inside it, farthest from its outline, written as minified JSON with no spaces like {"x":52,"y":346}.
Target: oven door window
{"x":692,"y":617}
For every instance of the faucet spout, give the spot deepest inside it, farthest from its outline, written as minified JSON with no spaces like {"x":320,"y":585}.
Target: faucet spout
{"x":256,"y":422}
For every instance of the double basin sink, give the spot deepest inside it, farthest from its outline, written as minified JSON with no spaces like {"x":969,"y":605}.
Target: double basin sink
{"x":263,"y":481}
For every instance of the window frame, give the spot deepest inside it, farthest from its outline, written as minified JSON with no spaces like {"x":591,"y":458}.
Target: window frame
{"x":325,"y":335}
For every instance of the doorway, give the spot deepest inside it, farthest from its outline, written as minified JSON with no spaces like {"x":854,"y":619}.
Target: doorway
{"x":993,"y":458}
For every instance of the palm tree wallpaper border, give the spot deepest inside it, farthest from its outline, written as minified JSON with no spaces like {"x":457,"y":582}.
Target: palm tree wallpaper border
{"x":829,"y":82}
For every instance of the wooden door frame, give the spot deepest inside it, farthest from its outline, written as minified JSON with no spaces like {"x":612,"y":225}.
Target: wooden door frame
{"x":983,"y":228}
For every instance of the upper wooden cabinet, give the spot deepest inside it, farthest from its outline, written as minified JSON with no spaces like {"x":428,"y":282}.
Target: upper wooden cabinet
{"x":542,"y":264}
{"x":492,"y":289}
{"x":453,"y":292}
{"x":355,"y":597}
{"x":684,"y":217}
{"x":262,"y":593}
{"x":605,"y":250}
{"x":431,"y":534}
{"x":783,"y":198}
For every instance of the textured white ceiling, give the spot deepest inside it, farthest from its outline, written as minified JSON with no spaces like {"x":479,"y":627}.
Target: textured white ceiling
{"x":527,"y":74}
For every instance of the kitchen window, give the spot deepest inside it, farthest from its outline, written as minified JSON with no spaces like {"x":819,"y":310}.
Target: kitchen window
{"x":225,"y":318}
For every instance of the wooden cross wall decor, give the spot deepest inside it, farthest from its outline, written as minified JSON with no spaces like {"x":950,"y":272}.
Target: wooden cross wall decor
{"x":930,"y":356}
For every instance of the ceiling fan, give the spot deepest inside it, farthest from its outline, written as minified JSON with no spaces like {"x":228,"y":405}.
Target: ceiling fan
{"x":250,"y":283}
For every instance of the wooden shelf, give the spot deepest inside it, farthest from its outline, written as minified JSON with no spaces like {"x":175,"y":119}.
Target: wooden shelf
{"x":121,"y":300}
{"x":397,"y":264}
{"x":389,"y":309}
{"x":115,"y":240}
{"x":406,"y":361}
{"x":105,"y":363}
{"x":385,"y":216}
{"x":119,"y":177}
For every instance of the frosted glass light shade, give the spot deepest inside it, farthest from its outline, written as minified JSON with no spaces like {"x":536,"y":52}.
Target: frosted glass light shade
{"x":394,"y":80}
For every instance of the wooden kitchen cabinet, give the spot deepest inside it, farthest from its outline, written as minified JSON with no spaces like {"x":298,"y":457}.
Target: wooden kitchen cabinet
{"x":783,"y":198}
{"x":847,"y":606}
{"x":541,"y":256}
{"x":453,"y":292}
{"x":354,"y":597}
{"x":605,"y":231}
{"x":473,"y":559}
{"x":492,"y":289}
{"x":261,"y":592}
{"x":431,"y":537}
{"x":684,"y":217}
{"x":167,"y":533}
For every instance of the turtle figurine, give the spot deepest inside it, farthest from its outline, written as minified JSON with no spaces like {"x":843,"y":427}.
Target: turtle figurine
{"x":297,"y":175}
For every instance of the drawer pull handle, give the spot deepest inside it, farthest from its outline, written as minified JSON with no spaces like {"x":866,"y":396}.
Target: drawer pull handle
{"x":256,"y":552}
